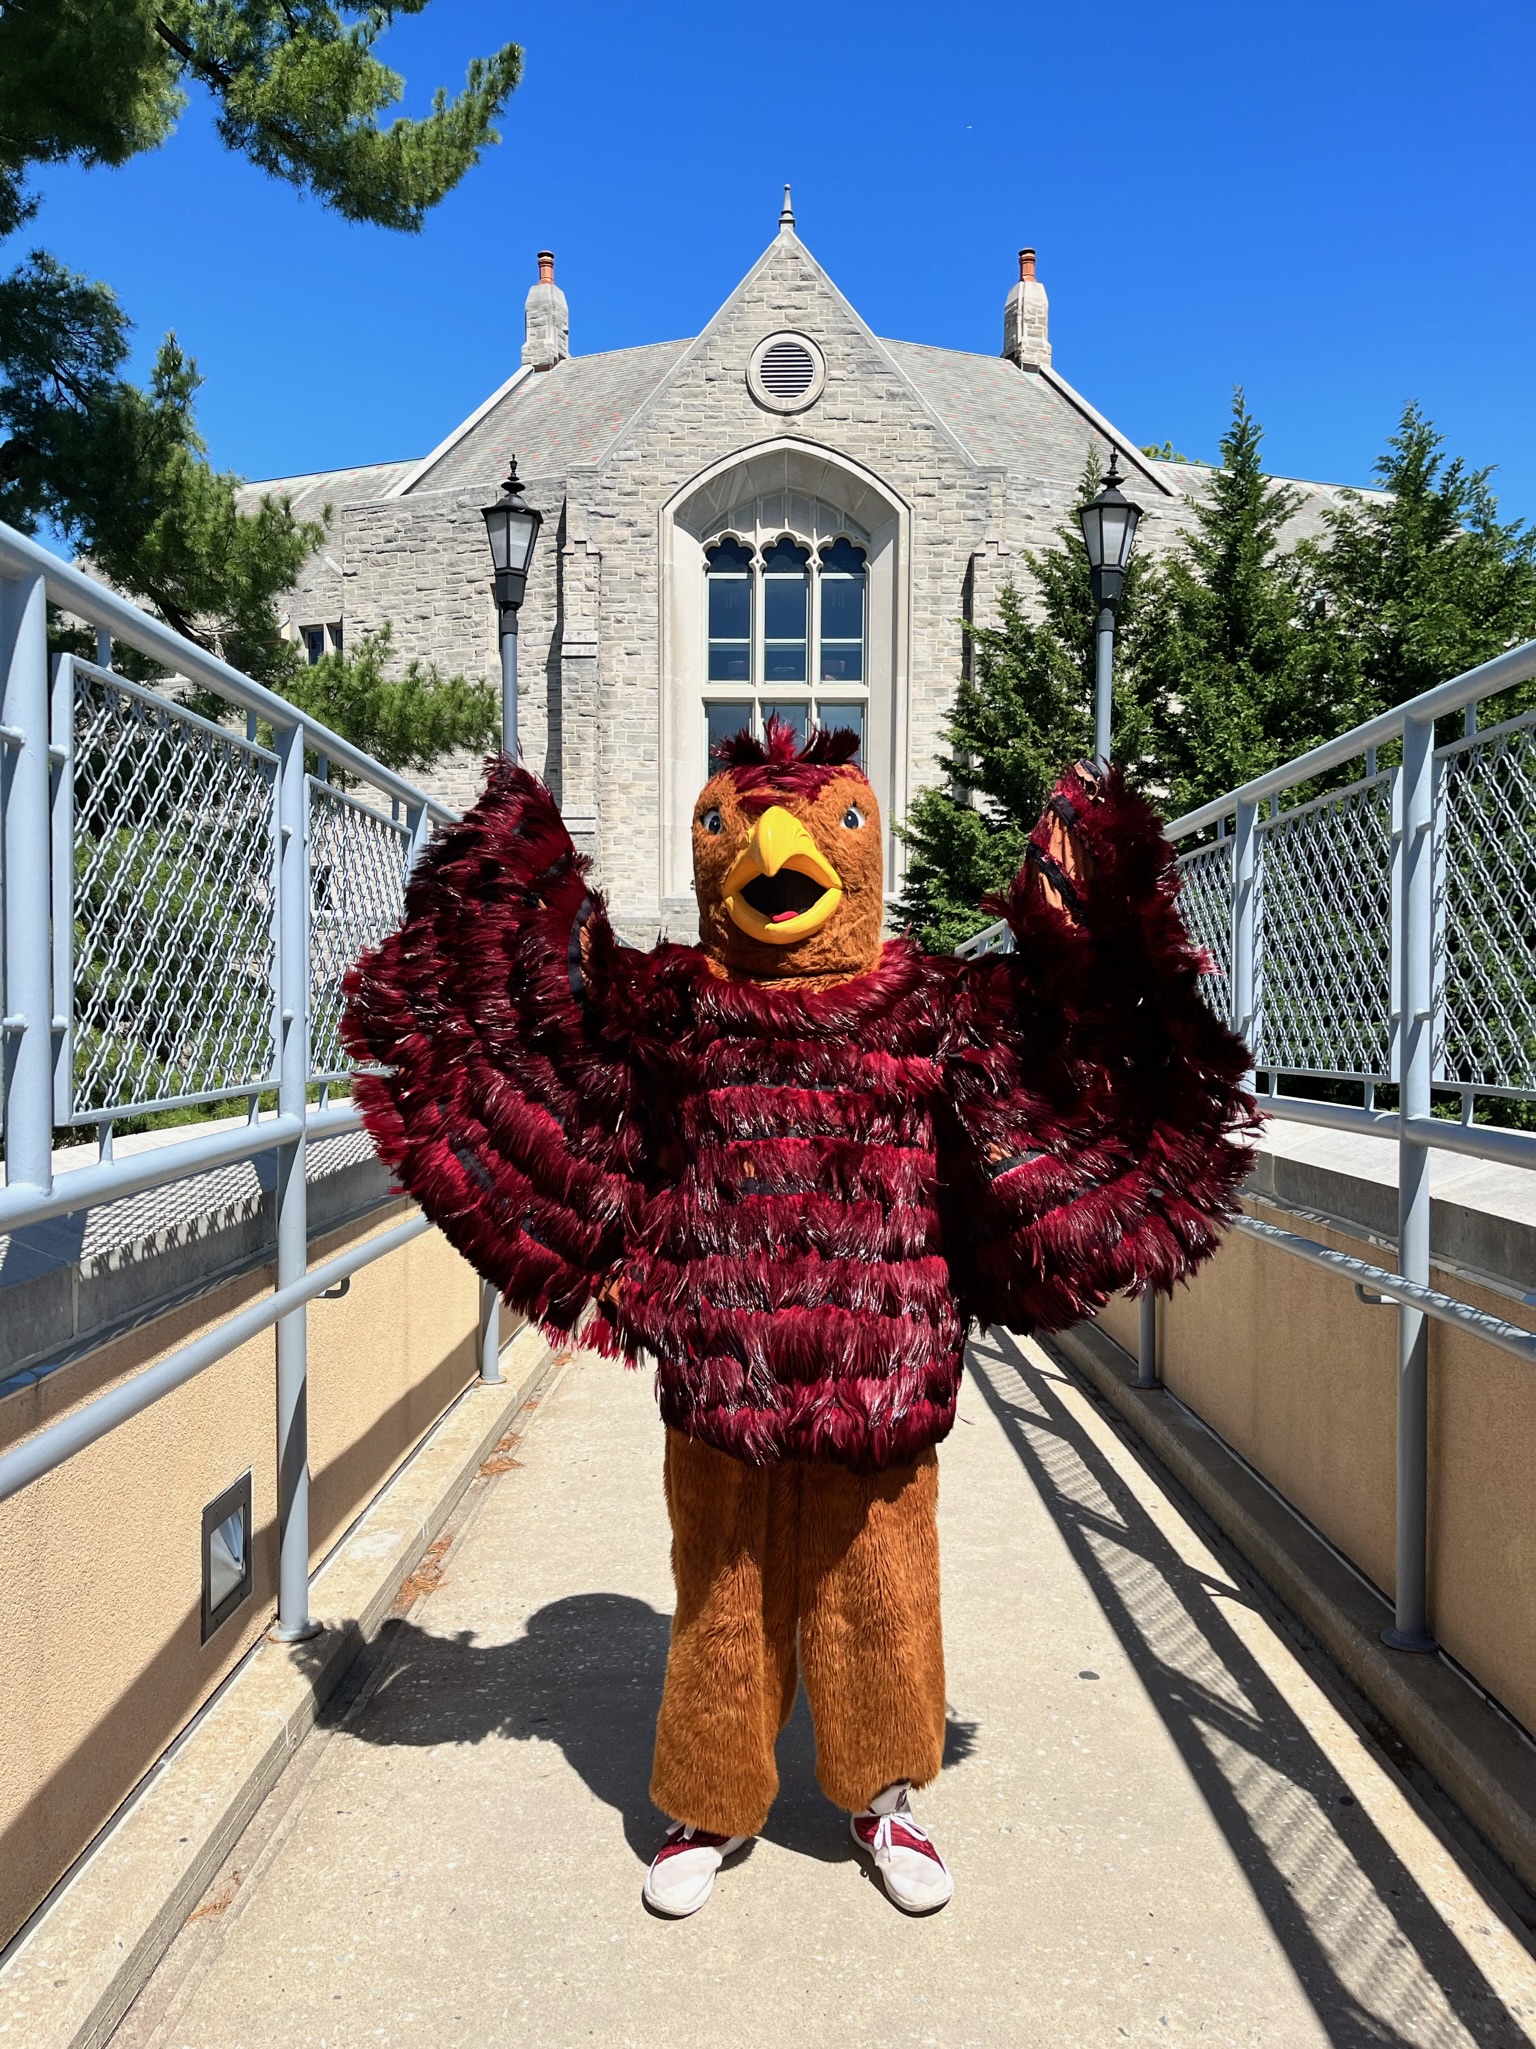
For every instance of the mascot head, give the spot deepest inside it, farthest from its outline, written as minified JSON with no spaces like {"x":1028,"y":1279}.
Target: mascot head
{"x":787,"y":858}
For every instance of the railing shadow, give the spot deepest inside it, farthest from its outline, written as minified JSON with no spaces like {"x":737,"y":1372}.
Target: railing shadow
{"x":586,"y":1674}
{"x":1368,"y":1946}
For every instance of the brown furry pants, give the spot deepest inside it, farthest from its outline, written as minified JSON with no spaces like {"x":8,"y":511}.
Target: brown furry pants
{"x":850,"y":1562}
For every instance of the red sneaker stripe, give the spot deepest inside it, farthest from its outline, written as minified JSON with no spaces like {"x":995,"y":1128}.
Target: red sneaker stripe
{"x":674,"y":1846}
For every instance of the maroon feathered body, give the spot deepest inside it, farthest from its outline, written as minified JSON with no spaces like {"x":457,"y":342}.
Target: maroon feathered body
{"x":799,"y":1199}
{"x":789,"y":1273}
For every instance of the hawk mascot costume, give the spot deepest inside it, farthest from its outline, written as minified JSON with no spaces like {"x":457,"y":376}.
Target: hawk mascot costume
{"x":793,"y":1165}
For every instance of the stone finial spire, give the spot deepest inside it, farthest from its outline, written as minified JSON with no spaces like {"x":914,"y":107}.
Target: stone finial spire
{"x":546,"y":319}
{"x":786,"y":215}
{"x":1027,"y":318}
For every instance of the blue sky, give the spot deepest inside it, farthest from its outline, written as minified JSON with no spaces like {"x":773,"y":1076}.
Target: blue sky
{"x":1329,"y":204}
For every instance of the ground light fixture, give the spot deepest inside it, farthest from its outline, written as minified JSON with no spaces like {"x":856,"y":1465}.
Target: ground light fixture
{"x":512,"y":528}
{"x":227,"y":1575}
{"x":1109,"y":523}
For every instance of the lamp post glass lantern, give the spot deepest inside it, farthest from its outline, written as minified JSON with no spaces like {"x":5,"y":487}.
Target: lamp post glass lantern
{"x":512,"y":528}
{"x":1109,"y":523}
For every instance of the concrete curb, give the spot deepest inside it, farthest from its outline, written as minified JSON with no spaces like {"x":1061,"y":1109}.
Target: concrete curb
{"x":1468,"y":1746}
{"x":77,"y":1971}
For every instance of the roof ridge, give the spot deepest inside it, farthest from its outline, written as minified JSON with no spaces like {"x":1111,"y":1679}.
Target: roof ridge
{"x":340,"y":469}
{"x":787,"y":237}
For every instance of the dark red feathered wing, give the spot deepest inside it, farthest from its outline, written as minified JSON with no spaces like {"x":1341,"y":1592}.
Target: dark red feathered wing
{"x":1098,"y":1102}
{"x":497,"y":1013}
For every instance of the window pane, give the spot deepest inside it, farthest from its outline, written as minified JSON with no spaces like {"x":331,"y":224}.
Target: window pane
{"x":784,"y":611}
{"x":728,"y":554}
{"x":730,"y":608}
{"x":730,"y":662}
{"x":843,"y":557}
{"x":786,"y":555}
{"x":850,"y":716}
{"x":842,"y":662}
{"x":724,"y":722}
{"x":784,"y":661}
{"x":791,"y":713}
{"x":842,"y":607}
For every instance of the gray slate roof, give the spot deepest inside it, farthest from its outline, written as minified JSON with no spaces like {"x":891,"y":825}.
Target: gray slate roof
{"x":993,"y":407}
{"x":554,"y":418}
{"x":568,"y":415}
{"x":313,"y":492}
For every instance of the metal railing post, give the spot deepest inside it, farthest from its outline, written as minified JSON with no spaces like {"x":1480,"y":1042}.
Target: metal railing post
{"x":24,"y":794}
{"x":420,"y":826}
{"x":1414,"y":855}
{"x":1245,"y":918}
{"x":293,"y":1618}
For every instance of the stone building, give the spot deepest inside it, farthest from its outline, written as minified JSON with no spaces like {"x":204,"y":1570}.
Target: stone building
{"x":786,"y":512}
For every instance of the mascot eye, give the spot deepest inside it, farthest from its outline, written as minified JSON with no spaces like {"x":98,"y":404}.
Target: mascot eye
{"x":853,"y":818}
{"x":712,"y":821}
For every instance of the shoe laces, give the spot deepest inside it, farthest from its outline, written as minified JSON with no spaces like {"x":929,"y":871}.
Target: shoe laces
{"x":914,"y":1835}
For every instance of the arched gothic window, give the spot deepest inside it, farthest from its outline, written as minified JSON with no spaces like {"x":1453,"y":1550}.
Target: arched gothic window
{"x":805,"y":661}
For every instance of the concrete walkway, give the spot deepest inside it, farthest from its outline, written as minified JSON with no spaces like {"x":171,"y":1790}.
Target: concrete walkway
{"x":1161,"y":1825}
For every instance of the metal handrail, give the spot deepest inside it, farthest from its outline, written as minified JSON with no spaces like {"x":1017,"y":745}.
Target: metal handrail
{"x":40,"y":710}
{"x":29,"y":1460}
{"x":1413,"y":1026}
{"x":77,"y":593}
{"x":1515,"y":665}
{"x":1407,"y":945}
{"x":1509,"y":1337}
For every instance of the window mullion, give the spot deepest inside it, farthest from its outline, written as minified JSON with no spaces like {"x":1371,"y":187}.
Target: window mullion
{"x":759,"y":610}
{"x":813,"y":637}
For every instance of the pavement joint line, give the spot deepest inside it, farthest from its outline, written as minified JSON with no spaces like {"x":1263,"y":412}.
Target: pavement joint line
{"x":88,"y":1952}
{"x":1467,"y":1746}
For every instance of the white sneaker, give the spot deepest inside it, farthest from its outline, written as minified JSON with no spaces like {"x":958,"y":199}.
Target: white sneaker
{"x":910,"y":1868}
{"x":682,"y":1873}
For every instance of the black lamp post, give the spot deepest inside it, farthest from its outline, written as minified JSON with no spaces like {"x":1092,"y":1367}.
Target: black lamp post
{"x":1109,"y":524}
{"x":512,"y":528}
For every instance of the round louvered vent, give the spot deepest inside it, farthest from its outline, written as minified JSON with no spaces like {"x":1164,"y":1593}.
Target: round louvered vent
{"x":787,"y":370}
{"x":786,"y":373}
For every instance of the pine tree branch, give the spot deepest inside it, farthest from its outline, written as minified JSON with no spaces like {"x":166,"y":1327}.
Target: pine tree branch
{"x":205,"y":67}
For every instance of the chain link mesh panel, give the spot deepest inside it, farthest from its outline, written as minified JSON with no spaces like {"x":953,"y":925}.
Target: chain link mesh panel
{"x":1205,"y":899}
{"x":1323,"y":962}
{"x":358,"y":863}
{"x":172,"y":904}
{"x":1486,"y":910}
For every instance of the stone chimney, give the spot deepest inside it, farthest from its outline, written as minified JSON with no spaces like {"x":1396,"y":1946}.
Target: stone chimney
{"x":546,"y":322}
{"x":1027,"y":318}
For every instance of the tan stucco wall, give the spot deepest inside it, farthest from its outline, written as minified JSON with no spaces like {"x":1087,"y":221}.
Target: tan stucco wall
{"x":100,"y":1560}
{"x":1282,"y":1361}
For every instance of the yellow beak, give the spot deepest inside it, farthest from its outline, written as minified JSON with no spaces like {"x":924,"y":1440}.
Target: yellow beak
{"x":780,"y":843}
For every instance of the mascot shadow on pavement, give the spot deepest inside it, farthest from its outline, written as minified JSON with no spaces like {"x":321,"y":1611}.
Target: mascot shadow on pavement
{"x":791,"y":1167}
{"x":585,"y":1675}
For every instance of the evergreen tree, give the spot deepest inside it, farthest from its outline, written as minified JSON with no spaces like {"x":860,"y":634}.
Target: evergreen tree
{"x":118,"y":470}
{"x":1415,"y":587}
{"x":1022,"y":715}
{"x":408,"y":721}
{"x":1222,"y":663}
{"x":296,"y":86}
